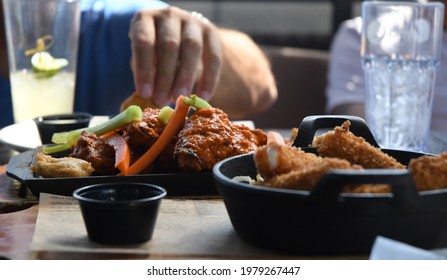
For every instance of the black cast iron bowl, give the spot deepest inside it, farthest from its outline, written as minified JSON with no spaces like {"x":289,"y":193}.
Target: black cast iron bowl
{"x":325,"y":220}
{"x":120,"y":213}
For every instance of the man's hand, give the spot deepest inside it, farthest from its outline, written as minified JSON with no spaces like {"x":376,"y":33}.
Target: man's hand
{"x":171,"y":48}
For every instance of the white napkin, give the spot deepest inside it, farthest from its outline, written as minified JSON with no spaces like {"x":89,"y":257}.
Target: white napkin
{"x":389,"y":249}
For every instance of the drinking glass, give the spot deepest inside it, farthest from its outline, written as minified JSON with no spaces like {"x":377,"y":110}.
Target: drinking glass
{"x":42,"y":39}
{"x":400,"y":50}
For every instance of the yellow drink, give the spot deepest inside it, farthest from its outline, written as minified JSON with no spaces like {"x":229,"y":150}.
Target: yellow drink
{"x":33,"y":97}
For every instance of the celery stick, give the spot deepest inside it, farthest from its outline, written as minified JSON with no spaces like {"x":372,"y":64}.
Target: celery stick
{"x":68,"y":139}
{"x":165,"y":114}
{"x":61,"y":137}
{"x":131,"y":114}
{"x":55,"y":148}
{"x":196,"y":102}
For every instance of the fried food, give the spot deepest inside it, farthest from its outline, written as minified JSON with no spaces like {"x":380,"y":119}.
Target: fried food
{"x":145,"y":132}
{"x":275,"y":159}
{"x":136,"y":99}
{"x":342,"y":143}
{"x":307,"y":178}
{"x":97,"y":152}
{"x":50,"y":167}
{"x":429,"y":172}
{"x":283,"y":166}
{"x":139,"y":136}
{"x":209,"y":137}
{"x":293,"y":135}
{"x":368,"y":188}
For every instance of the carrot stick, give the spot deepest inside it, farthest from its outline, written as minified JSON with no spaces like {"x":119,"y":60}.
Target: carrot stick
{"x":174,"y":125}
{"x":122,"y":151}
{"x":273,"y":136}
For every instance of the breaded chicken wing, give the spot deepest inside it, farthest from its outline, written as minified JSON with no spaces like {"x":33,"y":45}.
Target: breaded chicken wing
{"x":275,"y":159}
{"x":429,"y":172}
{"x":341,"y":143}
{"x":284,"y":166}
{"x":368,"y":188}
{"x":306,"y":177}
{"x":50,"y":167}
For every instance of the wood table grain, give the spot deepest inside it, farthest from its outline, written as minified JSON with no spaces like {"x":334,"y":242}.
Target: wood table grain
{"x":16,"y":233}
{"x":13,"y":195}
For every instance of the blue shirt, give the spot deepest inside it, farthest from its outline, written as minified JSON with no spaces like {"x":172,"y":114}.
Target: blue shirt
{"x":104,"y":78}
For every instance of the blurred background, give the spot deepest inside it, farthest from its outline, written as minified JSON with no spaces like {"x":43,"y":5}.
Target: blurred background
{"x":296,"y":36}
{"x":294,"y":23}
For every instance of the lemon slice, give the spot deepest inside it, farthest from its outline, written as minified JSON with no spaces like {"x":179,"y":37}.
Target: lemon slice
{"x":45,"y":65}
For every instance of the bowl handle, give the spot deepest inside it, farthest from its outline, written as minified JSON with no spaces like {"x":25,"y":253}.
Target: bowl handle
{"x":311,"y":124}
{"x":331,"y":184}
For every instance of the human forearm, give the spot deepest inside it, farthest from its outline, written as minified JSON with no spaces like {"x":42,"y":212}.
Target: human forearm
{"x":246,"y":83}
{"x":175,"y":52}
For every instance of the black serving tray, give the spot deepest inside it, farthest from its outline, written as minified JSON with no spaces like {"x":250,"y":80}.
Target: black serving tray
{"x":176,"y":184}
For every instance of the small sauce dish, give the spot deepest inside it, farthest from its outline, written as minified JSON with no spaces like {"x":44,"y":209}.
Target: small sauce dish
{"x":48,"y":125}
{"x":121,"y":212}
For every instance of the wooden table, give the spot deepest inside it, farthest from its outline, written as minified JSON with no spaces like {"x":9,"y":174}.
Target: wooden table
{"x":16,"y":232}
{"x":18,"y":212}
{"x":13,"y":196}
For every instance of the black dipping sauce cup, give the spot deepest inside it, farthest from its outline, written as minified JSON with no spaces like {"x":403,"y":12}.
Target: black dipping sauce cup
{"x":120,"y":213}
{"x":47,"y":125}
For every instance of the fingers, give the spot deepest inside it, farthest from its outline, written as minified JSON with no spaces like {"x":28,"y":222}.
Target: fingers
{"x":212,"y":62}
{"x":142,"y":37}
{"x":168,"y":45}
{"x":190,"y":56}
{"x":169,"y":48}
